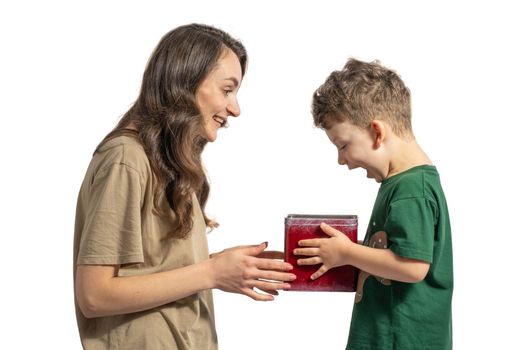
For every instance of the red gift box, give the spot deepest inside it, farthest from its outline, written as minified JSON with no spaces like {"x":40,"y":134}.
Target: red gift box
{"x":299,"y":227}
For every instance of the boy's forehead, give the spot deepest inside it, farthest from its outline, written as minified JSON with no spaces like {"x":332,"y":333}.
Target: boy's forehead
{"x":337,"y":130}
{"x":330,"y":135}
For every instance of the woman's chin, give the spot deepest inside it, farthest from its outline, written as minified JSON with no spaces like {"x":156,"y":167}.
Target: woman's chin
{"x":211,"y":136}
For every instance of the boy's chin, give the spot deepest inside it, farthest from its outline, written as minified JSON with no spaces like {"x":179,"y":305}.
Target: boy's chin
{"x":372,"y":176}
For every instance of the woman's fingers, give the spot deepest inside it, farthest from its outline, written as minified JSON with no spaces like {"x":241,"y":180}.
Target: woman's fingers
{"x":254,"y":250}
{"x":270,"y":291}
{"x":254,"y":272}
{"x":271,"y":254}
{"x":271,"y":264}
{"x":269,"y":285}
{"x":269,"y":288}
{"x":256,"y":296}
{"x":273,"y":275}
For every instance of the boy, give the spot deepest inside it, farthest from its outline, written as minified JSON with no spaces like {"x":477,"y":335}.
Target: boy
{"x":365,"y":112}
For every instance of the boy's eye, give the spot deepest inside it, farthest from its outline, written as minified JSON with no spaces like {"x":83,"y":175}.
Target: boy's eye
{"x":342,"y":147}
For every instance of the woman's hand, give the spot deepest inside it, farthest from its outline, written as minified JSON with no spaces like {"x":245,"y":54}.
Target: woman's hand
{"x":241,"y":269}
{"x":330,"y":252}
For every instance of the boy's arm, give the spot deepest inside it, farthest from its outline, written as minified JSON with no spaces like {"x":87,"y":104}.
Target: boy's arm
{"x":338,"y":250}
{"x":384,"y":263}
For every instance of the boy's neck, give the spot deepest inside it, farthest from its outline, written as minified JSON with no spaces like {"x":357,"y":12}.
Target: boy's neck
{"x":406,"y":155}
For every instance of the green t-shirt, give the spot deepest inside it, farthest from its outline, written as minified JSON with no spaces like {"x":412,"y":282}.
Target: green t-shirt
{"x":411,"y":208}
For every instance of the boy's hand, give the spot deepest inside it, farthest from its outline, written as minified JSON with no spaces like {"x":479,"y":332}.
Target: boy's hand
{"x":330,"y":252}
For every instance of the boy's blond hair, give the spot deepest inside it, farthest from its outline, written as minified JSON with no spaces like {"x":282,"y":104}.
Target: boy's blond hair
{"x":363,"y":92}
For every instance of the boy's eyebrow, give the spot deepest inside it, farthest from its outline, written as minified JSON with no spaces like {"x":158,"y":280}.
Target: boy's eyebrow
{"x":234,"y":81}
{"x":335,"y":140}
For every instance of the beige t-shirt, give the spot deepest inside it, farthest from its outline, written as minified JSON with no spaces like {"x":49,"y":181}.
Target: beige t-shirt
{"x":115,"y":225}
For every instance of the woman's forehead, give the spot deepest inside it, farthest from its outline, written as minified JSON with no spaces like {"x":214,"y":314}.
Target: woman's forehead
{"x":228,"y":67}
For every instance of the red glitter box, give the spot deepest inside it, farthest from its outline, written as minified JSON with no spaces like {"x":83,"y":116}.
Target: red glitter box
{"x":299,"y":227}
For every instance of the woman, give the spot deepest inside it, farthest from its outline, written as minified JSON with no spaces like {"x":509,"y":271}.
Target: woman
{"x":143,"y":275}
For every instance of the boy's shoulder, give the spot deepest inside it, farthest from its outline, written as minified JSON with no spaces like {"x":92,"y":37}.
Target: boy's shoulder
{"x":416,"y":182}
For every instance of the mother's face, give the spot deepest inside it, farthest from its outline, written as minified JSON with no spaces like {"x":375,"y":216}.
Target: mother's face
{"x":216,"y":96}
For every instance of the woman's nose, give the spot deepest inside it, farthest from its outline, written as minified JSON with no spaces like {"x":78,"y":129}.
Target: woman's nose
{"x":233,"y":108}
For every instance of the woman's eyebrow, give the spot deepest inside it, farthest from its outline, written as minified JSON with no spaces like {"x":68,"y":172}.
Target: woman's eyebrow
{"x":234,"y":81}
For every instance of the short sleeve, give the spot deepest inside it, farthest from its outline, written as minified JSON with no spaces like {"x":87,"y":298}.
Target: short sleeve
{"x":410,"y":228}
{"x":112,"y":230}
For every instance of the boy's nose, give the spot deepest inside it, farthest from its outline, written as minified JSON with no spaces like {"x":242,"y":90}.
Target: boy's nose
{"x":340,"y":159}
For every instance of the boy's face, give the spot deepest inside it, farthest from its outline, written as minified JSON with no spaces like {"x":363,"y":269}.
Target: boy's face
{"x":356,"y":149}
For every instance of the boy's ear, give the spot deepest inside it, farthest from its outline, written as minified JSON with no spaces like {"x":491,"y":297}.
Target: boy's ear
{"x":378,"y":132}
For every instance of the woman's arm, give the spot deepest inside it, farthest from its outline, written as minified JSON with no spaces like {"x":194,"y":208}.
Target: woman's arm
{"x":101,"y":292}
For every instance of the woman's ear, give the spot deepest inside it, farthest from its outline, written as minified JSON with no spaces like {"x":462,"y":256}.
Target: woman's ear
{"x":378,"y":129}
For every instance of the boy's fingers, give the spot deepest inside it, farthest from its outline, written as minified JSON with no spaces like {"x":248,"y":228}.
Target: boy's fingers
{"x":319,"y":272}
{"x":310,"y":242}
{"x":306,"y":251}
{"x":329,"y":230}
{"x":310,"y":261}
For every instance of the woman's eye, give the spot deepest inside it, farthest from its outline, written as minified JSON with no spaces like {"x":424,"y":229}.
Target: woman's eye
{"x":227,"y":92}
{"x":342,"y":147}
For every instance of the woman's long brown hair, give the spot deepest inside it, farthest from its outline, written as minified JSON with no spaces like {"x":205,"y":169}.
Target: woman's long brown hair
{"x":168,"y":123}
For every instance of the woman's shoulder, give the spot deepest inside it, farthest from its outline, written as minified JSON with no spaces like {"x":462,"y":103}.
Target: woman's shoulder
{"x":122,"y":150}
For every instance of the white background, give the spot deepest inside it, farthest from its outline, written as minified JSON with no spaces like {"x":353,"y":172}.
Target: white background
{"x":69,"y":69}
